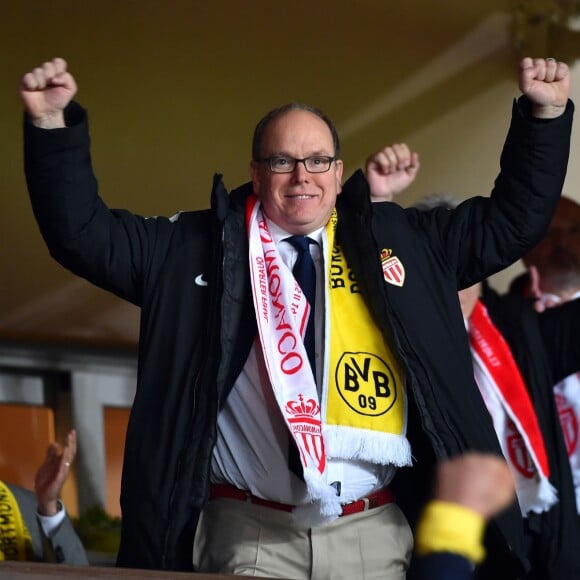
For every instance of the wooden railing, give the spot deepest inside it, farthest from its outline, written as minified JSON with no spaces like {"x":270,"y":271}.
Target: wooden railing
{"x":34,"y":571}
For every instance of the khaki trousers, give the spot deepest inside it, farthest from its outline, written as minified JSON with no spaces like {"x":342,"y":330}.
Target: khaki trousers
{"x":236,"y":537}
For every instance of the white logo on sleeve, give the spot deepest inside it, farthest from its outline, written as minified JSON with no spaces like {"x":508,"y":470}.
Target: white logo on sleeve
{"x":200,"y":280}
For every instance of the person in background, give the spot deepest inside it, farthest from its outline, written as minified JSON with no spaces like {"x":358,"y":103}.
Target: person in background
{"x":34,"y":524}
{"x":299,"y":345}
{"x":553,"y":279}
{"x":554,"y":263}
{"x":516,"y":355}
{"x":469,"y":490}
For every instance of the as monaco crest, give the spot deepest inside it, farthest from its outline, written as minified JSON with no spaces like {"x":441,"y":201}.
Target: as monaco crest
{"x":569,"y":423}
{"x":518,"y":452}
{"x":304,"y":421}
{"x":393,"y":268}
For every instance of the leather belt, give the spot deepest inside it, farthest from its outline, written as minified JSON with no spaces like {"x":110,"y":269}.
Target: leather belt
{"x":373,"y":500}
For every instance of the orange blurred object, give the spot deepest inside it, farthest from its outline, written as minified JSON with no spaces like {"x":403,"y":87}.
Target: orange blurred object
{"x":115,"y":425}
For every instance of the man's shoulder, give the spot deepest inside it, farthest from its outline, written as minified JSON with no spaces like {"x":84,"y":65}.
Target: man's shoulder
{"x":24,"y":497}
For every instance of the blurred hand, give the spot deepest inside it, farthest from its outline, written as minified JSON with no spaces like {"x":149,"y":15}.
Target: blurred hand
{"x":478,"y":481}
{"x":533,"y":289}
{"x":52,"y":474}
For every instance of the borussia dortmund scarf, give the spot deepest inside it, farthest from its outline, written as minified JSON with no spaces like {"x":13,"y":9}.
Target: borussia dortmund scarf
{"x":15,"y":540}
{"x":362,"y":411}
{"x":513,"y":414}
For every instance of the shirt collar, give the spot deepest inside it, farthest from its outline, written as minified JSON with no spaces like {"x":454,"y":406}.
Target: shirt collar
{"x":278,"y":233}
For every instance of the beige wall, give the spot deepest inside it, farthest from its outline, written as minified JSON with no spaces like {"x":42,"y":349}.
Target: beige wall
{"x":174,"y":89}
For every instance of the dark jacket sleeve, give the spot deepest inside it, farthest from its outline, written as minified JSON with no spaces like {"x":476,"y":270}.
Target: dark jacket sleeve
{"x":483,"y":235}
{"x":442,"y":566}
{"x":64,"y":546}
{"x":110,"y":248}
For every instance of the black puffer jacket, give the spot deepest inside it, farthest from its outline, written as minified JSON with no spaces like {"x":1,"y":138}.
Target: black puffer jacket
{"x":194,"y":338}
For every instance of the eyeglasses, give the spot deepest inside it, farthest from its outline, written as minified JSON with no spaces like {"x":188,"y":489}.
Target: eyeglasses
{"x":284,"y":164}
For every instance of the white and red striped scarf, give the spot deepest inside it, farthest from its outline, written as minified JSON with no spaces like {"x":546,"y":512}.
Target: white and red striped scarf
{"x":508,"y":401}
{"x":283,"y":312}
{"x":567,"y":394}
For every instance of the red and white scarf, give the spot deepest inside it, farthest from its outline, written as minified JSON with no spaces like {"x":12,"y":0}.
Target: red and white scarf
{"x":333,"y":424}
{"x":567,"y":394}
{"x":508,"y":401}
{"x":282,"y":318}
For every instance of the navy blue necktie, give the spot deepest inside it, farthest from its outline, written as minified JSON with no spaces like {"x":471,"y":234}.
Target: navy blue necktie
{"x":305,"y":274}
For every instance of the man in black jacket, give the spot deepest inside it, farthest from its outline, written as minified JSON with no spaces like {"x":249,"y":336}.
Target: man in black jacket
{"x":221,"y":326}
{"x":553,"y":279}
{"x":544,"y":349}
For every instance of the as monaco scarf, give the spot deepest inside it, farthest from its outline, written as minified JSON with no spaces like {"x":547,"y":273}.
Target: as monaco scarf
{"x":15,"y":540}
{"x":567,"y":394}
{"x":362,"y":414}
{"x":514,"y":418}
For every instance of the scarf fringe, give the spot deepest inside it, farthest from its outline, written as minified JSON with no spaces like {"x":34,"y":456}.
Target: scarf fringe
{"x":538,"y":498}
{"x":362,"y":444}
{"x":325,"y":505}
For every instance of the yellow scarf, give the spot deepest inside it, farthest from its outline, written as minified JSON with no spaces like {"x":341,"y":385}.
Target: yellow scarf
{"x":365,"y":413}
{"x":15,"y":540}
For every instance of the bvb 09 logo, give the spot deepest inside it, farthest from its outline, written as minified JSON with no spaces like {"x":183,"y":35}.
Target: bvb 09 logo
{"x":366,"y":383}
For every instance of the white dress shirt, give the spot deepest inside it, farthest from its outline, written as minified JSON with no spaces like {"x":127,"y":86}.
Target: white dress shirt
{"x":251,"y":452}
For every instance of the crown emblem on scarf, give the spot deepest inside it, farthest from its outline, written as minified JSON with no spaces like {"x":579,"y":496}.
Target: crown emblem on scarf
{"x":302,"y":409}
